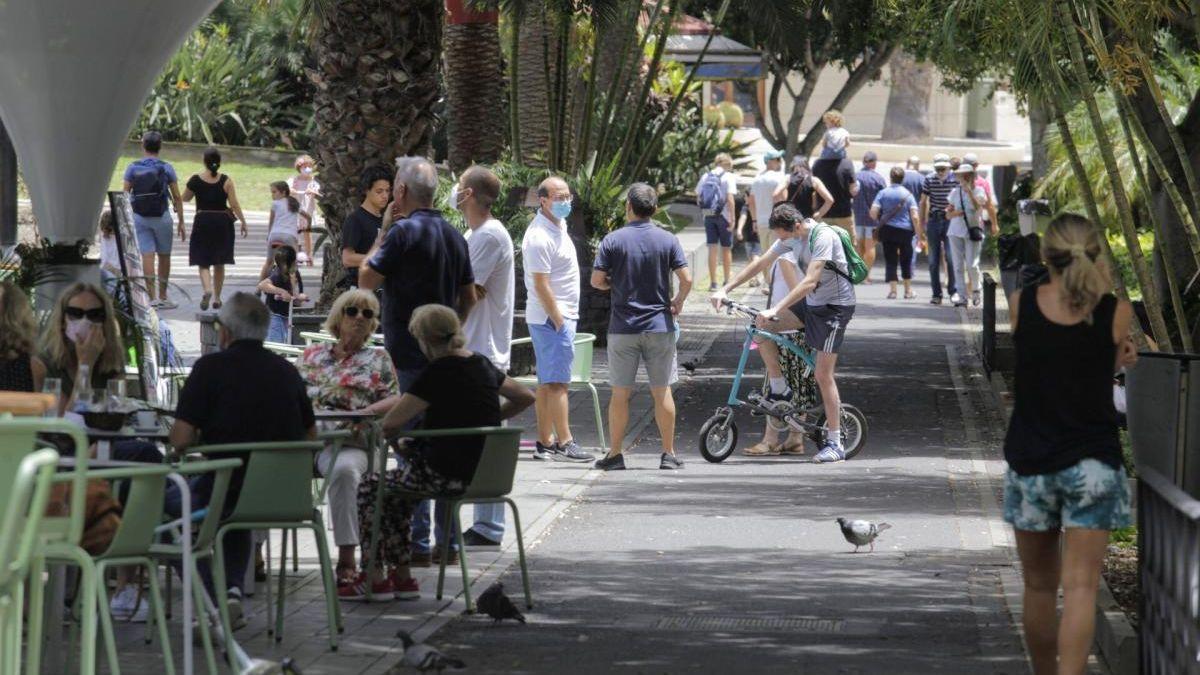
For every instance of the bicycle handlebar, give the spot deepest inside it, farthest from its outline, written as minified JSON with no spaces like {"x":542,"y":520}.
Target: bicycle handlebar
{"x":744,"y":309}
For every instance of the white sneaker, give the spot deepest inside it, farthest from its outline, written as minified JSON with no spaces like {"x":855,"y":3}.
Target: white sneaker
{"x":237,"y":615}
{"x":130,"y":605}
{"x":958,"y":300}
{"x":302,"y":258}
{"x":166,"y":303}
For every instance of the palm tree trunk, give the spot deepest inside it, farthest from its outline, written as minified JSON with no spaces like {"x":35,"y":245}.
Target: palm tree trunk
{"x":533,"y":86}
{"x":474,"y":86}
{"x":1104,"y":143}
{"x":907,"y":112}
{"x":1189,"y":173}
{"x":375,"y":83}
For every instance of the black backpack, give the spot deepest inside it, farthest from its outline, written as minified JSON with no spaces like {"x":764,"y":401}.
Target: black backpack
{"x":148,"y":190}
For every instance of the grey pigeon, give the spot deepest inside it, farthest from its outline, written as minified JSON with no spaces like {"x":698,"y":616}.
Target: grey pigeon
{"x":424,"y":658}
{"x":497,"y":605}
{"x":861,"y":532}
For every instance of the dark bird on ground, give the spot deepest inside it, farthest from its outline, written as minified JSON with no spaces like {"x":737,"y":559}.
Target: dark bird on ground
{"x":689,"y":366}
{"x":861,"y":532}
{"x":497,"y":605}
{"x":424,"y":658}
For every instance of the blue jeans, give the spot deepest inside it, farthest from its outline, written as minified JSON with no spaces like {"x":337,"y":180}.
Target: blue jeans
{"x":420,"y":516}
{"x":935,"y":234}
{"x":278,"y":330}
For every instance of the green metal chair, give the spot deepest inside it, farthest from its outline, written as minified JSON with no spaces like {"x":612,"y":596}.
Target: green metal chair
{"x":276,"y":495}
{"x":202,"y":541}
{"x":58,"y":536}
{"x":24,"y":507}
{"x":311,"y":337}
{"x":290,"y":352}
{"x":491,"y":484}
{"x":581,"y":374}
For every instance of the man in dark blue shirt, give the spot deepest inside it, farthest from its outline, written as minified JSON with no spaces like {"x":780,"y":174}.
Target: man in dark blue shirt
{"x":870,"y":182}
{"x":421,"y":260}
{"x":635,"y":263}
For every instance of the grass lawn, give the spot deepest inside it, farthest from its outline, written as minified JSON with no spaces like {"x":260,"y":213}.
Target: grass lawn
{"x":253,"y":181}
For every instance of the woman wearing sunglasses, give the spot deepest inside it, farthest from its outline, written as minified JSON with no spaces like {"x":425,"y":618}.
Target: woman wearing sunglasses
{"x":349,"y":375}
{"x":82,"y":339}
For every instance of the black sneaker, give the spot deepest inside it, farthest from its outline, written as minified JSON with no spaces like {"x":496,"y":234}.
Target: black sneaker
{"x":783,"y":397}
{"x":472,"y":539}
{"x":670,"y":461}
{"x":571,"y":452}
{"x":614,"y":463}
{"x":935,"y":300}
{"x":544,"y":452}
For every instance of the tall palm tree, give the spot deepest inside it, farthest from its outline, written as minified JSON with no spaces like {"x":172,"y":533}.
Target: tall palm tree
{"x":474,"y":85}
{"x":376,"y":81}
{"x":535,"y":49}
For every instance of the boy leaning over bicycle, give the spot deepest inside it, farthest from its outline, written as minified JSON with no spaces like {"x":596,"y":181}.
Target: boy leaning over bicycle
{"x":822,"y":304}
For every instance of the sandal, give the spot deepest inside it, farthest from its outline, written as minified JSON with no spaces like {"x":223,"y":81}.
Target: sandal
{"x":792,"y":447}
{"x":761,"y":449}
{"x":891,"y":295}
{"x":910,"y":296}
{"x":345,"y":575}
{"x":216,"y":304}
{"x":204,"y":300}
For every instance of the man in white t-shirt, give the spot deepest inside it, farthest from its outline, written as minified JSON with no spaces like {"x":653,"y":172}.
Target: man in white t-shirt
{"x":552,"y":311}
{"x":768,"y":187}
{"x":720,"y":217}
{"x":489,"y":325}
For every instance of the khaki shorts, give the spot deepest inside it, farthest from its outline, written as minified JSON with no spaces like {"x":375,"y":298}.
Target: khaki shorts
{"x":656,"y":350}
{"x":846,"y":224}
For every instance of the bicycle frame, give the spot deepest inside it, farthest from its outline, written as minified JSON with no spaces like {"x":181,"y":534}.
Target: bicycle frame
{"x":782,"y":341}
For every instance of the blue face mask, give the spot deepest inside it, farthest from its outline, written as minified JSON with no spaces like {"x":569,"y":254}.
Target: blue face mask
{"x":560,"y":209}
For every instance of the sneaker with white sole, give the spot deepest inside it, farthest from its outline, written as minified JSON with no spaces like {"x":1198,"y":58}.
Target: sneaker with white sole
{"x":830,"y":452}
{"x":544,"y":452}
{"x":237,"y":614}
{"x":167,"y":303}
{"x":129,"y":604}
{"x":571,"y":452}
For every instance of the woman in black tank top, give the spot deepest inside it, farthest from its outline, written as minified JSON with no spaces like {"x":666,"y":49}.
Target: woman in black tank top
{"x":20,"y":368}
{"x":1064,"y":455}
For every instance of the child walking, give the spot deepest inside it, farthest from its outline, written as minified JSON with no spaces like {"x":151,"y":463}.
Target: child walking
{"x":110,"y":258}
{"x":283,"y":225}
{"x":836,"y":139}
{"x":278,"y":286}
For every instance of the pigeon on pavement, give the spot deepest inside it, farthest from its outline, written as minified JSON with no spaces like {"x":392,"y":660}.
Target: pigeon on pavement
{"x":497,"y":605}
{"x":861,"y":532}
{"x":424,"y":658}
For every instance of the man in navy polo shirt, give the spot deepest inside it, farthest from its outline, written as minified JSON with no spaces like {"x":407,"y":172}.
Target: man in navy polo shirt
{"x":636,"y":263}
{"x":421,"y":260}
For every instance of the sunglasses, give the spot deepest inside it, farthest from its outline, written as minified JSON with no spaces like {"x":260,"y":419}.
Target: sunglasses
{"x":352,"y":312}
{"x":95,"y":315}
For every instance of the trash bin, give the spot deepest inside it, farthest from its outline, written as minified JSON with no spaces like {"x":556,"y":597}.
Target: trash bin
{"x":1163,"y":401}
{"x":1033,"y":215}
{"x":1016,"y":252}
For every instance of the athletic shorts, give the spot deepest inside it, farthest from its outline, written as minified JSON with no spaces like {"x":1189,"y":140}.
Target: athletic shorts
{"x":627,"y":351}
{"x":716,"y":231}
{"x":154,"y":235}
{"x":864,"y":231}
{"x":824,"y":325}
{"x":1090,"y":495}
{"x":554,"y":351}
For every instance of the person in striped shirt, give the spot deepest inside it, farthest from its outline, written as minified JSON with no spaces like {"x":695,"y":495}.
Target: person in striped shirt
{"x":937,"y":187}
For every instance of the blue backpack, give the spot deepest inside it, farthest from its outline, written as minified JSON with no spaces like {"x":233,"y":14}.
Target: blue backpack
{"x":148,"y":189}
{"x":711,"y":197}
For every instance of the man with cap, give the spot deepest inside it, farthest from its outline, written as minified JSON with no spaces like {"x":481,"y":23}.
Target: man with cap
{"x":981,"y":181}
{"x":768,"y":187}
{"x":870,"y":182}
{"x":936,"y":188}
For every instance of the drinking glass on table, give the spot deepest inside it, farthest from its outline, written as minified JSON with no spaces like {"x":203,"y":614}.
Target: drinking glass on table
{"x":116,"y":394}
{"x":52,"y":386}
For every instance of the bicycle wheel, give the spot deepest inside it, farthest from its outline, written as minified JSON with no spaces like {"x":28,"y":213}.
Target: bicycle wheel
{"x":853,"y":428}
{"x":716,"y":442}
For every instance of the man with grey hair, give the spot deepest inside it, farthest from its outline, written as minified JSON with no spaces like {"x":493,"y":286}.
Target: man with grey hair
{"x":421,"y":260}
{"x":635,"y":263}
{"x":241,"y":394}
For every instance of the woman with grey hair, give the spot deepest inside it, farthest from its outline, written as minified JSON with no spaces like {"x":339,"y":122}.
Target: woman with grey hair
{"x":349,"y":375}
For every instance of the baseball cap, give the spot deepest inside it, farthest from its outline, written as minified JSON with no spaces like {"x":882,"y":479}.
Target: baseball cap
{"x":870,"y":156}
{"x":772,"y":154}
{"x":971,"y":158}
{"x":941,"y":160}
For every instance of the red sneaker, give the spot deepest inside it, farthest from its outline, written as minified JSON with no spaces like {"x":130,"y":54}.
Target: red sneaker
{"x":358,"y":591}
{"x":405,"y":589}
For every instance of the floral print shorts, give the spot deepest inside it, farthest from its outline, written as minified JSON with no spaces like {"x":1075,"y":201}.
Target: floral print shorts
{"x":1090,"y":495}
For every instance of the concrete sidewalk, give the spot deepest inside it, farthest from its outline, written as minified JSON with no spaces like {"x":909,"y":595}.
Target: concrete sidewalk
{"x":740,"y":567}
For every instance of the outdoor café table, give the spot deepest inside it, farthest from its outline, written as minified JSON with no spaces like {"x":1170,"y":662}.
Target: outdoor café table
{"x":55,"y":598}
{"x":104,"y":439}
{"x":376,"y":456}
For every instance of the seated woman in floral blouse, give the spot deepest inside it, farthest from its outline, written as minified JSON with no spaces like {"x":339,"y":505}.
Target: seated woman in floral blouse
{"x":349,"y":375}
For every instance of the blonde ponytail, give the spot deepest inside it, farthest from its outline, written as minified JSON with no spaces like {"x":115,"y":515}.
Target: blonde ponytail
{"x":1071,"y":249}
{"x":437,"y":330}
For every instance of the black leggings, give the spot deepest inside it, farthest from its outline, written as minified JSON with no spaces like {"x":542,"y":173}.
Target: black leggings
{"x":897,"y":247}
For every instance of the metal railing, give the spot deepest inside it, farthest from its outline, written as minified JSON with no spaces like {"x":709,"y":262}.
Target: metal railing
{"x":1169,"y":568}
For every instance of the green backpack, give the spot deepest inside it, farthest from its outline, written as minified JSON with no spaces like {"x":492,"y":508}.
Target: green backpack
{"x":854,"y":262}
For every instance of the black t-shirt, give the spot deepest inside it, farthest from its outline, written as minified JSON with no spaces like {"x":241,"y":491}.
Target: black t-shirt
{"x":800,"y":193}
{"x":462,"y":391}
{"x":245,"y":394}
{"x":358,"y":233}
{"x":838,"y":176}
{"x":279,"y":281}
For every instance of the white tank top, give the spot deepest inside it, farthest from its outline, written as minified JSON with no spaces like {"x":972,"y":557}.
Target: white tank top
{"x":286,"y":222}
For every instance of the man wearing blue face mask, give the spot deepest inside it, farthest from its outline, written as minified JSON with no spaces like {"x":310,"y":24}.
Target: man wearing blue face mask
{"x":552,"y":310}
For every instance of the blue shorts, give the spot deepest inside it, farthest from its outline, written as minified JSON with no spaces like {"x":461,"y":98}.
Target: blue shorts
{"x":154,"y":235}
{"x":753,"y":248}
{"x":716,"y":230}
{"x":1090,"y":495}
{"x":277,"y":331}
{"x":864,"y":232}
{"x":554,"y":351}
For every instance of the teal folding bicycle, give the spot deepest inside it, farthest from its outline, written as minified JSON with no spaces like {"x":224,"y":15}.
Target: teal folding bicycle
{"x":804,"y":413}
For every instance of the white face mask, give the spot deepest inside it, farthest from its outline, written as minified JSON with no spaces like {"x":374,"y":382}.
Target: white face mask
{"x":455,"y":202}
{"x":307,"y":171}
{"x":78,"y":329}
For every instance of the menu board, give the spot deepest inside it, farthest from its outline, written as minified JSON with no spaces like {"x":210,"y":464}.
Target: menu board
{"x":134,"y":300}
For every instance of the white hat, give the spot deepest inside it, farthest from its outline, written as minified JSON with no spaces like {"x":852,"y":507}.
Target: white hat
{"x":965,"y":168}
{"x":971,"y":158}
{"x":941,"y":161}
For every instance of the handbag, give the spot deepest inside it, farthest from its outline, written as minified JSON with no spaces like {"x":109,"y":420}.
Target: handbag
{"x":974,"y":232}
